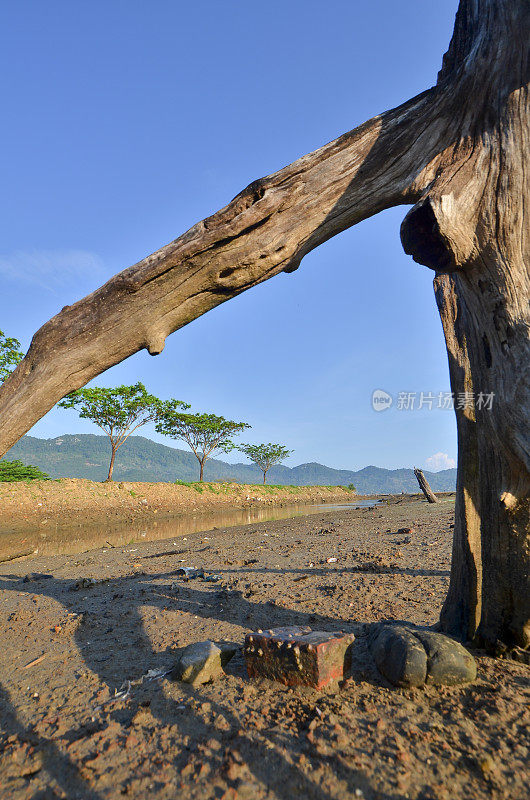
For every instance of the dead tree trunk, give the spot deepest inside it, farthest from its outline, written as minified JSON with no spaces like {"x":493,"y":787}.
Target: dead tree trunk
{"x":424,"y":486}
{"x":458,"y":152}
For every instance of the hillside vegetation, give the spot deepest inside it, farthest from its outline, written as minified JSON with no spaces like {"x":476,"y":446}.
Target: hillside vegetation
{"x":140,"y":459}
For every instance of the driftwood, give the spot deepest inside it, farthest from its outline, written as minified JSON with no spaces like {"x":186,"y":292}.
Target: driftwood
{"x":457,"y":152}
{"x":424,"y":486}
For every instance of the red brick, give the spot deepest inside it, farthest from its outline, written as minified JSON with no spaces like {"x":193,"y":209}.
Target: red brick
{"x":298,"y":656}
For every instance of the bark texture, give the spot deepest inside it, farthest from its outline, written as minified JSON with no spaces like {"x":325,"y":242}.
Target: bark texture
{"x":425,"y":487}
{"x":472,"y":227}
{"x":458,"y":153}
{"x":111,"y":465}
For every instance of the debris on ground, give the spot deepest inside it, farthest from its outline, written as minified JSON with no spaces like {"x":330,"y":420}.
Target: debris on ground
{"x":86,"y":583}
{"x":36,"y":576}
{"x":189,"y":573}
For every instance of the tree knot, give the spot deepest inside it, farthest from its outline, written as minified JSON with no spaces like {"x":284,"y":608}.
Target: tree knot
{"x":432,"y":235}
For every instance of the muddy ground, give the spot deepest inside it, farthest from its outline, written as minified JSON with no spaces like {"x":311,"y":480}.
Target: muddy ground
{"x":66,"y":647}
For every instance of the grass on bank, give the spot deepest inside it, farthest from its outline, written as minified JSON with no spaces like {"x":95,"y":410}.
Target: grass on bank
{"x":18,"y":472}
{"x":228,"y":487}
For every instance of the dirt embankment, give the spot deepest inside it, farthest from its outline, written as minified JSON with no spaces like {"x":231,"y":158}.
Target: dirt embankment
{"x":83,"y":502}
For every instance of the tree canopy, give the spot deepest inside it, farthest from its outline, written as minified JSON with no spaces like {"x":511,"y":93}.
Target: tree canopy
{"x":265,"y":455}
{"x":118,"y":411}
{"x":205,"y":434}
{"x":10,"y":355}
{"x":13,"y":471}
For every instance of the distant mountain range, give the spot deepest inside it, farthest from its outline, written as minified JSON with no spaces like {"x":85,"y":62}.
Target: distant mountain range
{"x":140,"y":459}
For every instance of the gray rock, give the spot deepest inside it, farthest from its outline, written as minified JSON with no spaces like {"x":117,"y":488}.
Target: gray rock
{"x":202,"y":662}
{"x":448,"y":662}
{"x":398,"y":655}
{"x":415,"y":656}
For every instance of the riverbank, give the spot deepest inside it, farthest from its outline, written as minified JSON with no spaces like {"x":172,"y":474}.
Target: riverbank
{"x":80,"y":503}
{"x":119,"y":614}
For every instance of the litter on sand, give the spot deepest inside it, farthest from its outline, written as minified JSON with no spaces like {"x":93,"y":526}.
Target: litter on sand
{"x":35,"y":661}
{"x":189,"y":573}
{"x":153,"y":674}
{"x":122,"y":693}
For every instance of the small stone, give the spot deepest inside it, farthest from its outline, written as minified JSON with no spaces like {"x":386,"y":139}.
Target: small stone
{"x":486,"y":764}
{"x":199,"y":663}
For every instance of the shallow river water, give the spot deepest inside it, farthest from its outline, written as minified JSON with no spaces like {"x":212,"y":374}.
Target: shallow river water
{"x":57,"y":540}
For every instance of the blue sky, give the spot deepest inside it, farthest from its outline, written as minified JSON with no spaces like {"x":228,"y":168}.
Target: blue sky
{"x":125,"y":122}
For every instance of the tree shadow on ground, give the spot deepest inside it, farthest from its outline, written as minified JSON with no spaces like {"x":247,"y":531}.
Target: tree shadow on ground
{"x":329,"y":573}
{"x":115,"y":645}
{"x":58,"y":765}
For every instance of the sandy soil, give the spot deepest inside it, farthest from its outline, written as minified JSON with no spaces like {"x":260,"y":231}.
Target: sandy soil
{"x":70,"y":501}
{"x":67,"y":646}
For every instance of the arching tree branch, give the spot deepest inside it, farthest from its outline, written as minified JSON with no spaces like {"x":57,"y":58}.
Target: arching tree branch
{"x":459,"y":152}
{"x":265,"y":230}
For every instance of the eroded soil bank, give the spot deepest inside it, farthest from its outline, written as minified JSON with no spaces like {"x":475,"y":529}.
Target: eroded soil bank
{"x":76,"y":502}
{"x":66,"y":645}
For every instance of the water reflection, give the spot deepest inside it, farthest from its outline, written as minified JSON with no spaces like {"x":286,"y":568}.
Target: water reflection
{"x":68,"y":540}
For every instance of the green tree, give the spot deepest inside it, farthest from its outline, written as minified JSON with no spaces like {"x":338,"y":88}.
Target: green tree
{"x":10,"y":355}
{"x":265,"y":455}
{"x":203,"y":433}
{"x":12,"y":471}
{"x":118,"y":411}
